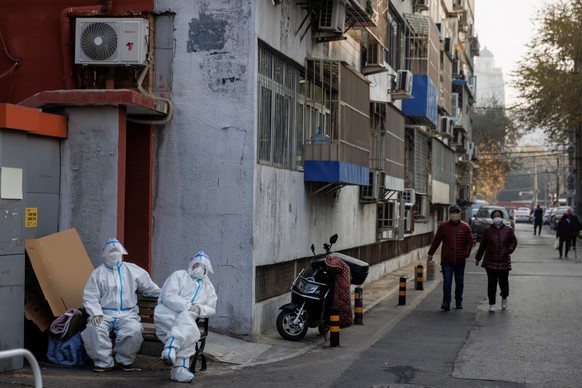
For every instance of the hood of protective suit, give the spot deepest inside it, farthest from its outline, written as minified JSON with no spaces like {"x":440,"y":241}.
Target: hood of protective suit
{"x":203,"y":260}
{"x":113,"y":252}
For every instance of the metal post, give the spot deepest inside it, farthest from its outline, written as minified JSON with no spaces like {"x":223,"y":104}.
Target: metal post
{"x":358,"y":306}
{"x":334,"y":327}
{"x":31,"y":360}
{"x":402,"y":291}
{"x":418,"y":284}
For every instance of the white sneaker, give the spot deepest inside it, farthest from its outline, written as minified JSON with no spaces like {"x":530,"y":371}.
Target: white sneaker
{"x":491,"y":308}
{"x":504,"y":304}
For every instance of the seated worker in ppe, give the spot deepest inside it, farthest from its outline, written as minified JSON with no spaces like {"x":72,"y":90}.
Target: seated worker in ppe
{"x":186,"y":295}
{"x":110,"y":300}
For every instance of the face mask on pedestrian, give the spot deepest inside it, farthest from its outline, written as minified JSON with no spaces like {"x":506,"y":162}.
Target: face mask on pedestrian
{"x":498,"y":221}
{"x":113,"y":258}
{"x":197,"y":272}
{"x":455,"y":217}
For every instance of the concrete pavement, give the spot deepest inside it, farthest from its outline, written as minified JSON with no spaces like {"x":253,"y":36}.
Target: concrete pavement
{"x":226,"y":353}
{"x":271,"y":347}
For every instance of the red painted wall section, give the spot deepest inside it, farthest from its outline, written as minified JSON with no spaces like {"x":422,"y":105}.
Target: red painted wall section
{"x":138,"y":199}
{"x":31,"y":32}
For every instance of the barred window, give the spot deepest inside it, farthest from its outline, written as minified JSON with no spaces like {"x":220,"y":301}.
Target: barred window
{"x":278,"y":85}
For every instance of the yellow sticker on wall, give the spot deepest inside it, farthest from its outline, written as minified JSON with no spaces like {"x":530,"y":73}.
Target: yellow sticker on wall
{"x":31,"y":217}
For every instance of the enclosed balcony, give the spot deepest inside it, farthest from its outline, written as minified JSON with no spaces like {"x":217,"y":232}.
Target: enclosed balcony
{"x":336,"y":108}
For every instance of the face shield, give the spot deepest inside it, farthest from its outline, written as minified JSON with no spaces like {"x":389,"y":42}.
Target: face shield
{"x":113,"y":252}
{"x":199,"y":265}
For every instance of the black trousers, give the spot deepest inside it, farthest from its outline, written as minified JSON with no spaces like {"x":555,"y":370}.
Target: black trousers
{"x":495,"y":276}
{"x":538,"y":227}
{"x":564,"y":241}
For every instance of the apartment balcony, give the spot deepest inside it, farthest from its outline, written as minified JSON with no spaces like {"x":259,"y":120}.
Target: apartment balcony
{"x":338,"y":153}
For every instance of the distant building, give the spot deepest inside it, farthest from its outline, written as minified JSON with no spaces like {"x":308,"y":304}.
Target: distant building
{"x":490,"y":79}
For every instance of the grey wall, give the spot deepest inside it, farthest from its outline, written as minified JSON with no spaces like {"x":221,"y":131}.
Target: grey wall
{"x":89,"y":176}
{"x":204,"y":158}
{"x":12,"y":154}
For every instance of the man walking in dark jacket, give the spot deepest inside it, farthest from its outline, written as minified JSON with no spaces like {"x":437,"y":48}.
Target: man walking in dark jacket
{"x":564,"y":232}
{"x":457,"y":239}
{"x":497,"y":244}
{"x":538,"y":220}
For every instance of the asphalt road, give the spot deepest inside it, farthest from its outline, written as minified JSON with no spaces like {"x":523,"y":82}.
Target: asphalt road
{"x":532,"y":344}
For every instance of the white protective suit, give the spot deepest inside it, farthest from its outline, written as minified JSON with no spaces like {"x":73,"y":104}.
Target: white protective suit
{"x":110,"y":293}
{"x":186,"y":295}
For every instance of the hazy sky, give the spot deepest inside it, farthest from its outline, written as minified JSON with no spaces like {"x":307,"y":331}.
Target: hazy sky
{"x":504,"y":27}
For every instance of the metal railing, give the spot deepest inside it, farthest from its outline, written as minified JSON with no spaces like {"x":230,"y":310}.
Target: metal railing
{"x":31,"y":360}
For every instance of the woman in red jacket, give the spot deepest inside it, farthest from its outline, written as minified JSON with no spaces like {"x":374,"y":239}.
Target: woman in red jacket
{"x":497,"y":244}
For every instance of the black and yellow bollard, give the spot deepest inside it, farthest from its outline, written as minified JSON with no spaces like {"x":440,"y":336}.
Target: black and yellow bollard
{"x":334,"y":327}
{"x":418,"y":284}
{"x":358,"y":306}
{"x":402,"y":291}
{"x":430,"y":270}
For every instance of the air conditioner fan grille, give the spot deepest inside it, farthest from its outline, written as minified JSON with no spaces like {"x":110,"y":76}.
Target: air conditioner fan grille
{"x":99,"y":41}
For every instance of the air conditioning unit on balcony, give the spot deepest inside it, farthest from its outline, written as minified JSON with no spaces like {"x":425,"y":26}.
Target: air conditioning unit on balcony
{"x":375,"y":55}
{"x":111,"y":41}
{"x":408,"y":196}
{"x":446,"y":126}
{"x":403,"y":85}
{"x":332,"y":15}
{"x":421,"y":5}
{"x":372,"y":192}
{"x":458,"y":5}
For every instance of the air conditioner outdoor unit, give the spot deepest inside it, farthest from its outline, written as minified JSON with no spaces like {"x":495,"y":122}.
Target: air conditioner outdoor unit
{"x":375,"y":55}
{"x":421,"y":5}
{"x":458,"y":5}
{"x":111,"y":41}
{"x":409,"y":197}
{"x":372,"y":192}
{"x":446,"y":126}
{"x":403,"y":85}
{"x":332,"y":15}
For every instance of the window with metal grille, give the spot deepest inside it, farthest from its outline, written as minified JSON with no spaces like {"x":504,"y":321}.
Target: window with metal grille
{"x":278,"y":85}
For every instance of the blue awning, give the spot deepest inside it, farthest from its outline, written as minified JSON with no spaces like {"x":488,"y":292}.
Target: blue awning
{"x":334,"y":171}
{"x":424,"y":101}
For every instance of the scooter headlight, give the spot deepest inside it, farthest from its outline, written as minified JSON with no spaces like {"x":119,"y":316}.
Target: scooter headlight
{"x":306,"y":287}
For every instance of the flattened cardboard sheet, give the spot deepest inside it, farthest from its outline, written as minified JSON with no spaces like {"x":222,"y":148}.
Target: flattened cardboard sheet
{"x":62,"y":267}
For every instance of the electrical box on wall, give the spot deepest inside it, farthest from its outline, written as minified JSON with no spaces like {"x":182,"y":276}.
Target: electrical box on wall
{"x":111,"y":41}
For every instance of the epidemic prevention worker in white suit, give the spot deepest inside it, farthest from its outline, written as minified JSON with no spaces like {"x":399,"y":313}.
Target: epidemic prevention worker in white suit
{"x":186,"y":295}
{"x":111,"y":302}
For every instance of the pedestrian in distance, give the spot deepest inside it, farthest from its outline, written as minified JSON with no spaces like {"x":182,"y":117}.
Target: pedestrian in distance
{"x":110,"y":300}
{"x":575,"y":222}
{"x":457,"y":241}
{"x":538,"y":220}
{"x":497,"y":245}
{"x":564,"y":232}
{"x":186,"y":295}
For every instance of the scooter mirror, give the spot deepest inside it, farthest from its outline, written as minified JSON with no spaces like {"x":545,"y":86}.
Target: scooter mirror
{"x":313,"y":249}
{"x":333,"y":239}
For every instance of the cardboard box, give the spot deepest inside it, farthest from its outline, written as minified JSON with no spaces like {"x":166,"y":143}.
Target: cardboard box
{"x":36,"y":309}
{"x":62,"y":267}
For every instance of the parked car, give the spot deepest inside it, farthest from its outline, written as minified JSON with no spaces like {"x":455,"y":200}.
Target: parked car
{"x":483,"y":219}
{"x":548,"y":214}
{"x":472,"y":210}
{"x":522,"y":214}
